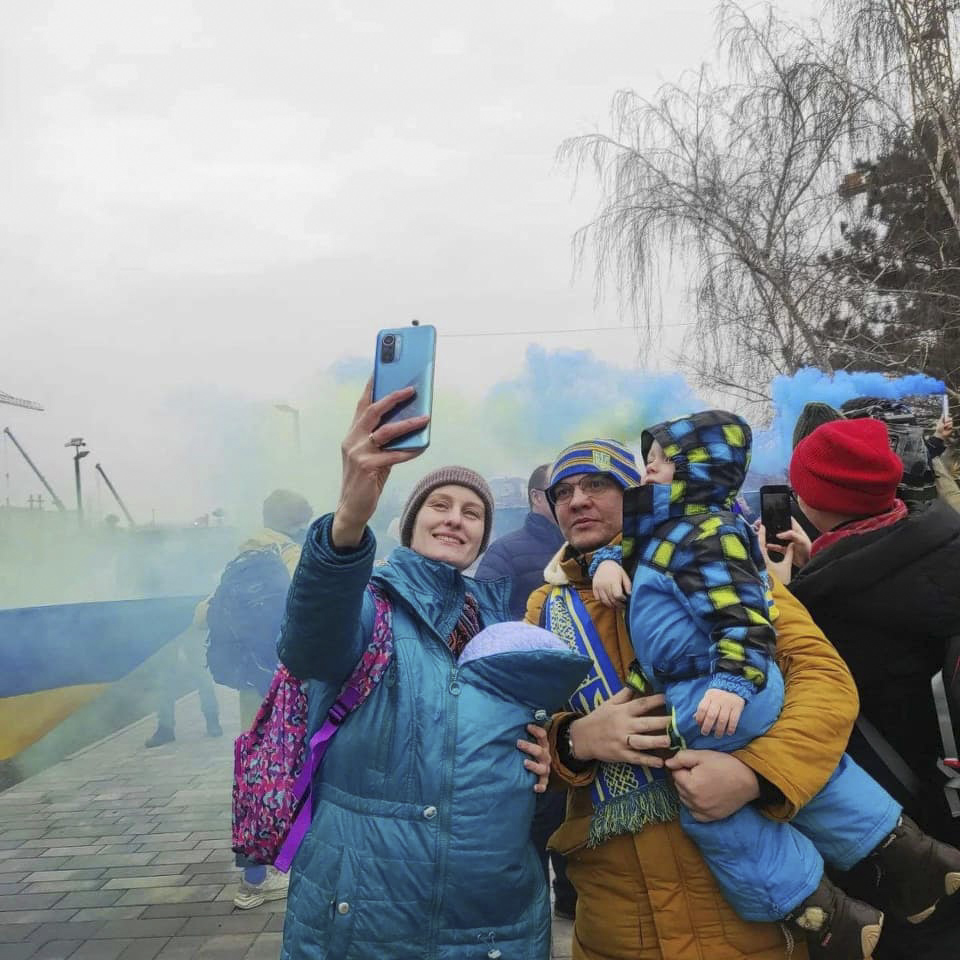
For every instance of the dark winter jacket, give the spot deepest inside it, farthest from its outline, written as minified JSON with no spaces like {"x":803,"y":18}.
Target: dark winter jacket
{"x":890,"y":600}
{"x":522,"y":555}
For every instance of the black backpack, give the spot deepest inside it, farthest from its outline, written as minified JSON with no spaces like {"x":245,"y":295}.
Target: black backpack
{"x":244,"y":619}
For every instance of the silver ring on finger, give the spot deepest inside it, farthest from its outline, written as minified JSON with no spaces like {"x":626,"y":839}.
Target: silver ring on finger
{"x":373,"y":440}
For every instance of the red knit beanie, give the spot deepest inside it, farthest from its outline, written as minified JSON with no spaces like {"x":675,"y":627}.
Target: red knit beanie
{"x":847,"y":467}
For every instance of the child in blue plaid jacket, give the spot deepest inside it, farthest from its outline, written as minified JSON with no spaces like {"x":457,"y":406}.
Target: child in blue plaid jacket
{"x":700,"y":618}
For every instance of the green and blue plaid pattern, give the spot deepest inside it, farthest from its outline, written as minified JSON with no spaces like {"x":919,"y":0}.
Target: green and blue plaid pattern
{"x":687,"y":531}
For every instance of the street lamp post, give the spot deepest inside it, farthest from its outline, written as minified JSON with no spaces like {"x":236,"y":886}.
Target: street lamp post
{"x":295,"y":414}
{"x":78,"y":454}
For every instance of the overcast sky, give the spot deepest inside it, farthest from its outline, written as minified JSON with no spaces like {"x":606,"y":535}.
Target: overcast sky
{"x":225,"y":196}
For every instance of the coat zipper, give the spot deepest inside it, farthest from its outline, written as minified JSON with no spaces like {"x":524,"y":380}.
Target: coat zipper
{"x":446,"y":806}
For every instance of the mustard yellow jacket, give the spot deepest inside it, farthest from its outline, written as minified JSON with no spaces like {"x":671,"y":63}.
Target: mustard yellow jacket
{"x":650,"y":896}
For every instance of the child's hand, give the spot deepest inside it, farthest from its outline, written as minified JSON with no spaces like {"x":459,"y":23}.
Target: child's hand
{"x":719,"y":711}
{"x":611,"y":585}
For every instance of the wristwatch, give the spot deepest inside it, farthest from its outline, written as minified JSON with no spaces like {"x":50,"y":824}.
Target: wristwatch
{"x":565,"y":749}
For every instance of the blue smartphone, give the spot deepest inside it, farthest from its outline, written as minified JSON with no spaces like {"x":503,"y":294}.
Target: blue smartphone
{"x":405,"y":358}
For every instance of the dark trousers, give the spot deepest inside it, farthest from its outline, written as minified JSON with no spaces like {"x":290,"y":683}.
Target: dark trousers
{"x":191,"y":669}
{"x":548,"y":816}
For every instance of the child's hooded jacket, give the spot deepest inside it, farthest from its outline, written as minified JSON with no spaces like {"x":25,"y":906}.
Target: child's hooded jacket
{"x":693,"y":557}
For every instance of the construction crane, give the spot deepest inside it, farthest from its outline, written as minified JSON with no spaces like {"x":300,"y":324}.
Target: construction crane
{"x":116,"y":496}
{"x":17,"y":402}
{"x":923,"y":29}
{"x":56,"y":500}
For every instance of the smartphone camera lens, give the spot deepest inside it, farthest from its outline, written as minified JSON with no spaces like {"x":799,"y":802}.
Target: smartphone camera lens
{"x":388,"y":348}
{"x":389,"y":340}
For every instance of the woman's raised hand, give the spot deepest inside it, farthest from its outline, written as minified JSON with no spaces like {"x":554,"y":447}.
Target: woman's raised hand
{"x":366,"y":465}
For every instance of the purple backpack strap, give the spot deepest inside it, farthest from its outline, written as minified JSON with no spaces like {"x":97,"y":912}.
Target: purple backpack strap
{"x":359,"y":686}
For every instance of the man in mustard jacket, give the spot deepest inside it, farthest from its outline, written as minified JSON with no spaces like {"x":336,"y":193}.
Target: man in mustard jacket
{"x":646,"y":894}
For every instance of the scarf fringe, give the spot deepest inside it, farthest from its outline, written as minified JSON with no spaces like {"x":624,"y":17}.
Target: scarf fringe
{"x":630,"y":813}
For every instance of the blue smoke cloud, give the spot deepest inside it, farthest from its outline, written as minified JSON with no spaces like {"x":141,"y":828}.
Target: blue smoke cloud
{"x":562,"y":396}
{"x":773,"y":447}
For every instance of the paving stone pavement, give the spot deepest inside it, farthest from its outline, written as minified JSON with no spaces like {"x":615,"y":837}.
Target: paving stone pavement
{"x":123,"y":853}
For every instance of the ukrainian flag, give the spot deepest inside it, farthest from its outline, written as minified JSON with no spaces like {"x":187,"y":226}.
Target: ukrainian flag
{"x":54,"y":659}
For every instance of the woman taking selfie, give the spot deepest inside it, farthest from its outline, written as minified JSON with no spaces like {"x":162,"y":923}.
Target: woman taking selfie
{"x":391,"y":865}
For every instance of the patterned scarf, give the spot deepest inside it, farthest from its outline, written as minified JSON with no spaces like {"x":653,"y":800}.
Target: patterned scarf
{"x":468,"y":626}
{"x":626,"y":797}
{"x":894,"y":515}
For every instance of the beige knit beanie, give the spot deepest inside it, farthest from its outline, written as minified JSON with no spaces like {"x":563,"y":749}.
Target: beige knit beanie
{"x":462,"y":477}
{"x":286,"y":511}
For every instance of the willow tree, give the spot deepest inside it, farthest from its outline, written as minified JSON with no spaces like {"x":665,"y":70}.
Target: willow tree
{"x":730,"y":184}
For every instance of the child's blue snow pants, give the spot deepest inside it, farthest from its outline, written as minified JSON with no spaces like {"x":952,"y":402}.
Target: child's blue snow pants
{"x":765,"y":868}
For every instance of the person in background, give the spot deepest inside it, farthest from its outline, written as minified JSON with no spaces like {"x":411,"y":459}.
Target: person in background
{"x":521,"y":557}
{"x":522,"y":554}
{"x":286,"y":516}
{"x":884,"y":585}
{"x":947,"y":487}
{"x":813,"y":415}
{"x":190,"y":662}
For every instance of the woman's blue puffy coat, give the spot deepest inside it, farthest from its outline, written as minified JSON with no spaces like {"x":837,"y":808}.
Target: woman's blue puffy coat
{"x":419,"y":847}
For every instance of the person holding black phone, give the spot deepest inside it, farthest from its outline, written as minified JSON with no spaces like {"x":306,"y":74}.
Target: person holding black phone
{"x":884,"y":584}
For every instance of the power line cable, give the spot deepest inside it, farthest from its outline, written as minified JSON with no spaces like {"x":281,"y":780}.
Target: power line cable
{"x":537,"y":333}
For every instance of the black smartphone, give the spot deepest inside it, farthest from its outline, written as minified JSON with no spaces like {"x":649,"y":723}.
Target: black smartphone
{"x":405,"y":358}
{"x":775,"y":511}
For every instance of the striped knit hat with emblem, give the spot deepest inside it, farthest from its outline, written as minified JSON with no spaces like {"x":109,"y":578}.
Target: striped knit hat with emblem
{"x":597,"y":456}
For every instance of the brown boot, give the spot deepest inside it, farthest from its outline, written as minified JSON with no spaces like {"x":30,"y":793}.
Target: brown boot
{"x":835,"y":926}
{"x":915,"y":871}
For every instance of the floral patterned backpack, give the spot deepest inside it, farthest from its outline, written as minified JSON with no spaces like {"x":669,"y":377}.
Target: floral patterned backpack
{"x":273,"y":768}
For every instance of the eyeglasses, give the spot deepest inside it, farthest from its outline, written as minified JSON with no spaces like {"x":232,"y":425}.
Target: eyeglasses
{"x":592,"y":485}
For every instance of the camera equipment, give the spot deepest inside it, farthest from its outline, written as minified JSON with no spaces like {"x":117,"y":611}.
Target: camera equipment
{"x":906,"y":441}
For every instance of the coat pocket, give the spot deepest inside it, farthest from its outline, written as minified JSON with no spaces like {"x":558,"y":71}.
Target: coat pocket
{"x":317,"y":923}
{"x":343,"y":908}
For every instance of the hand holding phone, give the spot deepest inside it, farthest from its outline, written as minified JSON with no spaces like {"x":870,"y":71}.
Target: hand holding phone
{"x":775,"y":512}
{"x":367,"y":461}
{"x":405,"y":358}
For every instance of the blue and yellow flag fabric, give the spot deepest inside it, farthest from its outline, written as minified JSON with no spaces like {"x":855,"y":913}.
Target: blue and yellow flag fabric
{"x":54,"y":659}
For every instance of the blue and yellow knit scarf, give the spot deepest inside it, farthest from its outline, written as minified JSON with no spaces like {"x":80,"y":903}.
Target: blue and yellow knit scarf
{"x":625,"y":797}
